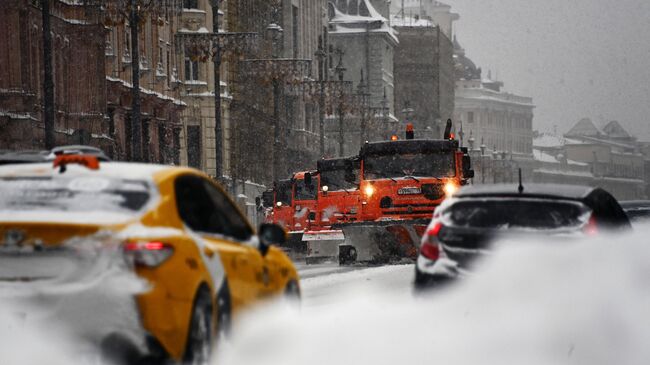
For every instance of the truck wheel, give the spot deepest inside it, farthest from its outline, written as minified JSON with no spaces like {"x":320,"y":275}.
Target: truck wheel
{"x":199,"y":339}
{"x":347,"y":255}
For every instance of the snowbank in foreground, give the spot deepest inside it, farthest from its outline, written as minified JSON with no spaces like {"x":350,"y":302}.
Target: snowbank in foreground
{"x":533,"y":303}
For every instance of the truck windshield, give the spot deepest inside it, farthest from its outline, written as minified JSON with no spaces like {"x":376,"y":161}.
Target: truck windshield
{"x":430,"y":164}
{"x":335,"y":180}
{"x":305,"y":191}
{"x":283,"y":194}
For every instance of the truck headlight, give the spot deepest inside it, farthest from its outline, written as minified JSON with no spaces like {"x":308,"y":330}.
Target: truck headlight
{"x":450,"y":188}
{"x":369,"y":190}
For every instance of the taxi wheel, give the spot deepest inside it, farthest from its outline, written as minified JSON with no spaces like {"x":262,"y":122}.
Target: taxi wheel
{"x":292,"y":290}
{"x":224,"y":311}
{"x":199,"y":341}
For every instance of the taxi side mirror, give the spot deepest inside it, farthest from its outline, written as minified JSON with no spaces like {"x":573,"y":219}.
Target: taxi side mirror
{"x":270,"y":234}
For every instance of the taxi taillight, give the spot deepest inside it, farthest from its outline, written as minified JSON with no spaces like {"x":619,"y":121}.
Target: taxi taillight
{"x":149,"y":254}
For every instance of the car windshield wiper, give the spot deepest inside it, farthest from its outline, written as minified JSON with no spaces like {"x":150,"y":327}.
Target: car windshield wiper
{"x":412,"y":177}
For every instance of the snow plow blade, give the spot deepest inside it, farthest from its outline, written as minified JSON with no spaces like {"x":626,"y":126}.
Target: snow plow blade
{"x":322,"y":245}
{"x":381,"y":242}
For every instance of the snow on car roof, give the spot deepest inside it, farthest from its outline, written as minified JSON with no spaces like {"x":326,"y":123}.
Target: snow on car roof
{"x":530,"y":190}
{"x":125,"y":170}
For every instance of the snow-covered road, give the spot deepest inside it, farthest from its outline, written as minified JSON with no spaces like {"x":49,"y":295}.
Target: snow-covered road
{"x":322,"y":284}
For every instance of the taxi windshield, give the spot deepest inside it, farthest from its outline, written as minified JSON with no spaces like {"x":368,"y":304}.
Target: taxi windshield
{"x":73,"y":194}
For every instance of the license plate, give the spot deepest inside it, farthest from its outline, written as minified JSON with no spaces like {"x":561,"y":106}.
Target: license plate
{"x":409,"y":191}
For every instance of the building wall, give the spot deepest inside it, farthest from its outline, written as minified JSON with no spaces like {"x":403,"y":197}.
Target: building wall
{"x":160,"y":90}
{"x":424,"y":78}
{"x":77,"y":56}
{"x":501,"y":121}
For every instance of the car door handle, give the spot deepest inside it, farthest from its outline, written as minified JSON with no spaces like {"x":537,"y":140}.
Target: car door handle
{"x":208,"y":252}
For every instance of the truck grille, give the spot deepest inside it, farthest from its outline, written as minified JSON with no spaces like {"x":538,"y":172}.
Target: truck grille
{"x":433,"y":191}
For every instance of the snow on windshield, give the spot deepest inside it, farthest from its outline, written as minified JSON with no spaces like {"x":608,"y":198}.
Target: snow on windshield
{"x":400,"y":165}
{"x":584,"y":303}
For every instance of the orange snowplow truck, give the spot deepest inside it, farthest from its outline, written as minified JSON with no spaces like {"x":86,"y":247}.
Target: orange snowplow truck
{"x":338,"y":202}
{"x":294,"y":207}
{"x":401,"y":183}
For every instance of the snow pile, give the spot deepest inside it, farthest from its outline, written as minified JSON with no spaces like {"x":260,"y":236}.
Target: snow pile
{"x":533,"y":303}
{"x":64,"y":304}
{"x":22,"y":343}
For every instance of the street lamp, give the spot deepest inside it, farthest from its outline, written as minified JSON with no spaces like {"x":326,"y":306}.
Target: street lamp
{"x":322,"y":76}
{"x":364,"y":94}
{"x":340,"y":71}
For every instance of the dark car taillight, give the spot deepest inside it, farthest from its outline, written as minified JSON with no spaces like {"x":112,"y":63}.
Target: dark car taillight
{"x":591,"y":227}
{"x":149,"y":254}
{"x":430,"y":248}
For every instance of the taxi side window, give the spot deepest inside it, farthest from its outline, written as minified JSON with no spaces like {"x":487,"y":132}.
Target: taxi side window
{"x":196,"y":208}
{"x":236,"y":225}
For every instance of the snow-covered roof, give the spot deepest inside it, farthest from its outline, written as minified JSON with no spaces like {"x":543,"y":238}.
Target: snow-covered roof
{"x":585,"y":127}
{"x":614,"y":130}
{"x":549,"y":140}
{"x":343,"y":23}
{"x":114,"y":169}
{"x":542,"y":156}
{"x":148,"y":92}
{"x":409,"y":21}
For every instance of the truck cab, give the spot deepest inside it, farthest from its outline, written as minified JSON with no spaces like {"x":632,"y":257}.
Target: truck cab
{"x":407,"y":179}
{"x":283,"y":212}
{"x":306,"y":185}
{"x":338,"y":198}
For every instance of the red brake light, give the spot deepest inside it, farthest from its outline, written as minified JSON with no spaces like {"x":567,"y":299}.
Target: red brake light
{"x":434,"y":230}
{"x":591,"y":228}
{"x":150,"y":254}
{"x":430,"y":248}
{"x":430,"y":251}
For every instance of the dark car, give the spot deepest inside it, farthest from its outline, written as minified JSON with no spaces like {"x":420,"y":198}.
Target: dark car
{"x":464,"y":226}
{"x":637,"y":210}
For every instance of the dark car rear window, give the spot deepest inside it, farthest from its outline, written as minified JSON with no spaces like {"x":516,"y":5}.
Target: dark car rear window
{"x":517,"y":213}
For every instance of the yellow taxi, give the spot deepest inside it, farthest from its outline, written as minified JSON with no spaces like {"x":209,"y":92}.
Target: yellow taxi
{"x":172,"y":228}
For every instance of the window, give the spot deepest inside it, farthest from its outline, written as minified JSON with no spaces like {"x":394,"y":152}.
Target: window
{"x":162,"y":144}
{"x":191,"y":4}
{"x":204,"y":208}
{"x":470,"y":117}
{"x":295,"y":35}
{"x":146,"y":140}
{"x":194,"y":146}
{"x":191,"y":70}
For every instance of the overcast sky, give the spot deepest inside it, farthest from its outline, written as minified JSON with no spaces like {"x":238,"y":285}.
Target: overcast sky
{"x":576,"y":58}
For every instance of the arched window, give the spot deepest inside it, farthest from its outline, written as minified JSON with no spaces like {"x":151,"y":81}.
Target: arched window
{"x":353,"y":7}
{"x":342,"y":5}
{"x":363,"y":9}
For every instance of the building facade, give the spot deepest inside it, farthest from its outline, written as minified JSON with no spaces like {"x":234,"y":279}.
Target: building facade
{"x":424,"y":76}
{"x":362,"y":45}
{"x":77,"y":58}
{"x":92,"y":79}
{"x":610,"y":157}
{"x":432,"y":11}
{"x":274,"y":116}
